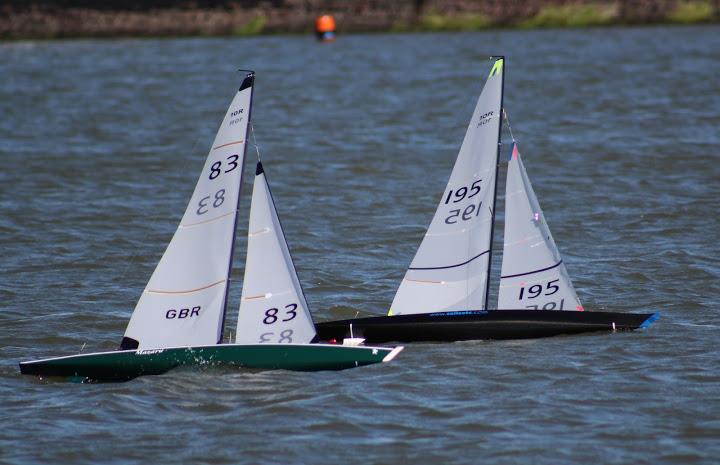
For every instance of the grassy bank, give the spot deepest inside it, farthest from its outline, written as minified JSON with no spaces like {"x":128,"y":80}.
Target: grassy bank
{"x":692,"y":12}
{"x":36,"y":23}
{"x":564,"y":16}
{"x":253,"y":27}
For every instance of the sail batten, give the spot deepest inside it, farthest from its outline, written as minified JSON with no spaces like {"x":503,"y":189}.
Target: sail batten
{"x":229,"y":144}
{"x":189,"y":291}
{"x":183,"y":303}
{"x":450,"y":269}
{"x":450,"y":266}
{"x":210,"y":220}
{"x":533,"y":272}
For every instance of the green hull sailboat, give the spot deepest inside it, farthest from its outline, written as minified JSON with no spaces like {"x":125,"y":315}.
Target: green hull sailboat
{"x":179,"y":318}
{"x":123,"y":365}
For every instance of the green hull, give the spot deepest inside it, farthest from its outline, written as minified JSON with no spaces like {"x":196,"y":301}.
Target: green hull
{"x":124,"y":365}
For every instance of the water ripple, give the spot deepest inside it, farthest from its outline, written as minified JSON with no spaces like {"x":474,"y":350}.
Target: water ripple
{"x":100,"y":145}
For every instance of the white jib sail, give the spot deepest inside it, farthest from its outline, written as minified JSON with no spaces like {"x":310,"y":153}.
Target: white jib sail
{"x":449,"y":271}
{"x":533,"y":275}
{"x":184,"y":301}
{"x":272,"y":307}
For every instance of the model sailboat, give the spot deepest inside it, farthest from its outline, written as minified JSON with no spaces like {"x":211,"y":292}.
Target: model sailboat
{"x":444,"y":295}
{"x":179,"y":318}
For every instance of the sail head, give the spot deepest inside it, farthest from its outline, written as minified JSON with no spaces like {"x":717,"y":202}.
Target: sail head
{"x":272,"y":307}
{"x":183,"y":304}
{"x":450,"y":269}
{"x":533,"y":274}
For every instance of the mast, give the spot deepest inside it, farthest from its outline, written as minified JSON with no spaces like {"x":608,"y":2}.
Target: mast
{"x":249,"y":81}
{"x":497,"y":166}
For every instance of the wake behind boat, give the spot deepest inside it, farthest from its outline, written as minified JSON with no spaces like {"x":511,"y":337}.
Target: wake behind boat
{"x":180,"y":316}
{"x":444,"y":295}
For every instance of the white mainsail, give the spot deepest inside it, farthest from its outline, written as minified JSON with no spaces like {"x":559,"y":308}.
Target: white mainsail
{"x":533,"y":275}
{"x":272,"y":307}
{"x":183,"y":304}
{"x":450,"y":269}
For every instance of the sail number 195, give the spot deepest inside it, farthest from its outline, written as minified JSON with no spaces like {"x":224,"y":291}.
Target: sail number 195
{"x":457,"y":196}
{"x":467,"y":214}
{"x":460,"y":194}
{"x":536,"y":290}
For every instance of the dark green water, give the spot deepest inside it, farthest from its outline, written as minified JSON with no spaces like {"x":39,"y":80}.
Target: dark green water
{"x":101,"y":143}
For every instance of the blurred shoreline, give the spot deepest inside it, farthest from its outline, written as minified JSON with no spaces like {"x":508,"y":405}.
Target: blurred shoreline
{"x":51,"y":19}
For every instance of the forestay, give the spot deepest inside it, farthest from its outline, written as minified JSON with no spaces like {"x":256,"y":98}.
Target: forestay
{"x":184,"y":302}
{"x":272,"y":307}
{"x":450,"y":269}
{"x":533,"y":275}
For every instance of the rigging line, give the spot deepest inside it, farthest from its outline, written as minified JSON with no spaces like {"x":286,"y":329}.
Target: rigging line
{"x":252,"y":133}
{"x":507,"y":121}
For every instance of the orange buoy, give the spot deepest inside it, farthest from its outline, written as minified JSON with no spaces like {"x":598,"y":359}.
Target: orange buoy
{"x":325,"y":28}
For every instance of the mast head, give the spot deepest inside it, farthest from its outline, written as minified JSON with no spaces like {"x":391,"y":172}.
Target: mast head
{"x":497,"y":66}
{"x":249,"y":79}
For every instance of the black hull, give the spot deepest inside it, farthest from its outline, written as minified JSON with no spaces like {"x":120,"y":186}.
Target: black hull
{"x":477,"y":324}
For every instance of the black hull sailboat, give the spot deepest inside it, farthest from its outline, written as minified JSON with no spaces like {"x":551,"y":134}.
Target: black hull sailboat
{"x":480,"y":324}
{"x":451,"y":269}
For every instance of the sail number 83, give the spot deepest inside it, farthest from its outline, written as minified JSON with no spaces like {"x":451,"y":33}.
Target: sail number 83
{"x":271,"y":317}
{"x":216,"y":168}
{"x":271,"y":314}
